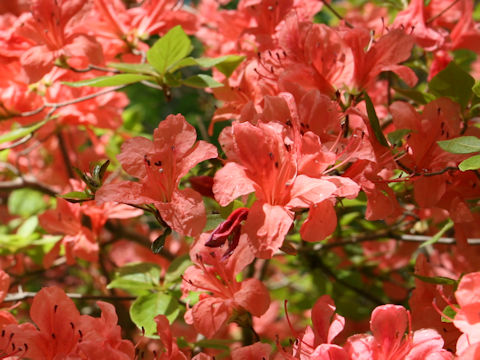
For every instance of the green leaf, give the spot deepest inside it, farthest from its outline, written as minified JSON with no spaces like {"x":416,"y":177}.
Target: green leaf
{"x":26,"y":202}
{"x":137,"y":278}
{"x":461,"y":145}
{"x":225,"y":64}
{"x":476,"y":88}
{"x":201,"y":81}
{"x":221,"y":344}
{"x":448,"y":314}
{"x":188,"y":61}
{"x":99,"y":171}
{"x":177,"y":268}
{"x":213,"y":220}
{"x":12,"y":243}
{"x":146,"y":69}
{"x":372,"y":117}
{"x":28,"y":227}
{"x":419,"y":97}
{"x":227,"y":210}
{"x":228,"y":66}
{"x":159,"y":243}
{"x":169,"y":49}
{"x":173,"y":79}
{"x":453,"y":82}
{"x":146,"y":307}
{"x":395,"y":137}
{"x":464,"y":58}
{"x":76,"y":196}
{"x":115,"y":80}
{"x":472,"y":163}
{"x":21,"y":132}
{"x":439,"y":234}
{"x":439,"y":280}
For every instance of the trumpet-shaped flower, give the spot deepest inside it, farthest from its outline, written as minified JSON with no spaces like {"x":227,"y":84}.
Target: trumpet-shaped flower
{"x":159,"y":165}
{"x":226,"y":296}
{"x":388,"y":340}
{"x":50,"y":30}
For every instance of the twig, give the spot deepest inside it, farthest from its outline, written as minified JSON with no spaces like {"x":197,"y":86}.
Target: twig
{"x":26,"y":182}
{"x":440,"y":172}
{"x":26,"y":295}
{"x":315,"y":262}
{"x":152,"y":85}
{"x":433,"y":18}
{"x":93,"y":67}
{"x":23,"y":140}
{"x":84,"y":98}
{"x":121,"y":232}
{"x":64,"y":151}
{"x":389,"y":234}
{"x":340,"y":17}
{"x":31,"y":113}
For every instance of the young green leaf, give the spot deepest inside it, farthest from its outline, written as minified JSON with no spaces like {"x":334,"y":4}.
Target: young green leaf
{"x":448,"y":314}
{"x":201,"y":81}
{"x":472,"y":163}
{"x":453,"y":82}
{"x":225,"y":64}
{"x":159,"y":243}
{"x":26,"y":202}
{"x":76,"y":197}
{"x":461,"y":145}
{"x":185,"y":62}
{"x":145,"y":69}
{"x":439,"y":234}
{"x":476,"y":88}
{"x":146,"y":307}
{"x":228,"y":66}
{"x":21,"y":132}
{"x":419,"y":97}
{"x":137,"y":278}
{"x":395,"y":137}
{"x":169,"y":49}
{"x":115,"y":80}
{"x":375,"y":124}
{"x":99,"y":171}
{"x":28,"y":227}
{"x":177,"y":268}
{"x":439,"y":280}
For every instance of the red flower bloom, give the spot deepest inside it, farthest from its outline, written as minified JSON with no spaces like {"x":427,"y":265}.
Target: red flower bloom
{"x":159,"y":166}
{"x":227,"y":295}
{"x":52,"y":36}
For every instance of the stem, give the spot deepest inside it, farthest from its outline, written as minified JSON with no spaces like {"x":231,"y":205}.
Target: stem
{"x":84,"y":98}
{"x":314,"y":261}
{"x":433,"y":18}
{"x":18,"y":142}
{"x":64,"y":151}
{"x":340,"y":17}
{"x":26,"y":295}
{"x":30,"y":183}
{"x":91,"y":67}
{"x":121,"y":232}
{"x":33,"y":112}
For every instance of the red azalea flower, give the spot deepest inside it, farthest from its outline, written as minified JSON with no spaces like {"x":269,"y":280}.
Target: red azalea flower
{"x":159,"y":166}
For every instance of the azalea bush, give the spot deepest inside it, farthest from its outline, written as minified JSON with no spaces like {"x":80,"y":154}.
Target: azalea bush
{"x":250,"y":179}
